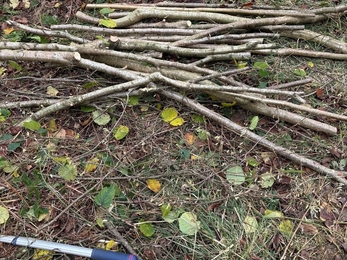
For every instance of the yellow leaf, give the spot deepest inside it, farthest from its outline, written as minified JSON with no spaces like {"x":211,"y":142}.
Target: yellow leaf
{"x":153,"y":185}
{"x":178,"y":121}
{"x":52,"y":126}
{"x":26,"y":4}
{"x":52,"y":91}
{"x":109,"y":23}
{"x":194,"y":157}
{"x":91,"y":165}
{"x":273,"y":214}
{"x":2,"y":69}
{"x":110,"y":244}
{"x":310,"y":64}
{"x":42,"y":254}
{"x":14,"y":3}
{"x":57,"y":5}
{"x":224,"y":104}
{"x":42,"y":216}
{"x":16,"y":174}
{"x":7,"y":31}
{"x":169,"y":114}
{"x":62,"y":160}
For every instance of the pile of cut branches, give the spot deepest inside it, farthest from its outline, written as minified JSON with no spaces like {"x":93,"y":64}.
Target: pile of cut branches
{"x":137,"y":38}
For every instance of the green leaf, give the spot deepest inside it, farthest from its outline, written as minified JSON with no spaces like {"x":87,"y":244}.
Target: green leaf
{"x":184,"y":153}
{"x":254,"y":122}
{"x":134,"y":100}
{"x":235,"y":175}
{"x":300,"y":72}
{"x":15,"y":65}
{"x":10,"y":168}
{"x":188,"y":223}
{"x":90,"y":84}
{"x":262,"y":84}
{"x":263,"y":73}
{"x":101,"y":118}
{"x":105,"y":196}
{"x":260,"y":65}
{"x":6,"y":137}
{"x":273,"y":214}
{"x":121,"y":132}
{"x":40,"y":39}
{"x":267,"y":180}
{"x":169,"y":114}
{"x":3,"y":162}
{"x":49,"y":19}
{"x":100,"y":222}
{"x":250,"y":224}
{"x":32,"y":125}
{"x":203,"y":134}
{"x":165,"y":209}
{"x":109,"y":23}
{"x":146,"y":229}
{"x":13,"y":146}
{"x":106,"y":10}
{"x":87,"y":109}
{"x":286,"y":227}
{"x":68,"y":172}
{"x":172,"y":216}
{"x":252,"y":162}
{"x":4,"y":214}
{"x":5,"y":112}
{"x":198,"y":119}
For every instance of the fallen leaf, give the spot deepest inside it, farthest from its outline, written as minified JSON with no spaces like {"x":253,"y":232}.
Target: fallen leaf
{"x":153,"y":185}
{"x":121,"y":132}
{"x":247,"y":5}
{"x":146,"y":229}
{"x":308,"y":229}
{"x":190,"y":138}
{"x":109,"y":23}
{"x":188,"y":223}
{"x":326,"y":214}
{"x":8,"y":30}
{"x":110,"y":244}
{"x":42,"y":254}
{"x":250,"y":224}
{"x":320,"y":93}
{"x":91,"y":165}
{"x":52,"y":91}
{"x":286,"y":227}
{"x":273,"y":214}
{"x":169,"y":114}
{"x":4,"y":214}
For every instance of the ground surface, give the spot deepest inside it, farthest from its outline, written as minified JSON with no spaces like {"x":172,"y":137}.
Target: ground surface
{"x":314,"y":204}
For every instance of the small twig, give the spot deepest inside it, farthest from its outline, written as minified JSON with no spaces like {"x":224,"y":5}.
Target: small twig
{"x":216,"y":75}
{"x":301,"y":52}
{"x":291,"y":84}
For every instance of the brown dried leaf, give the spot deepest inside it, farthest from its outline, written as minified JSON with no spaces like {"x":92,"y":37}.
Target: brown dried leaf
{"x":308,"y":229}
{"x":326,"y":214}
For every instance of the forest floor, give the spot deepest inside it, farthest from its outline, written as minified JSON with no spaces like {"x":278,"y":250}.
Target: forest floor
{"x":189,"y":162}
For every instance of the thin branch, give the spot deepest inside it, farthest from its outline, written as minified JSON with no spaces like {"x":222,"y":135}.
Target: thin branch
{"x":87,"y":97}
{"x":47,"y":32}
